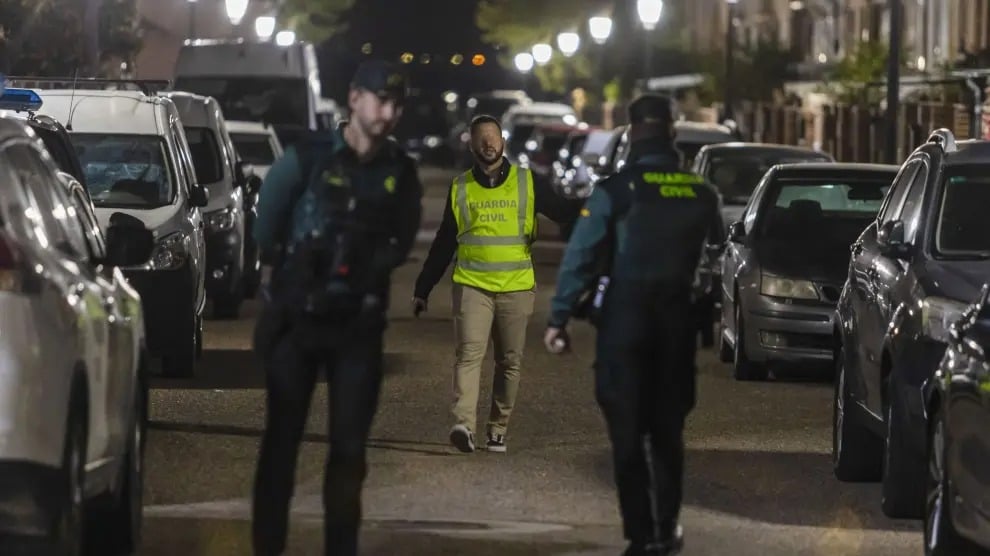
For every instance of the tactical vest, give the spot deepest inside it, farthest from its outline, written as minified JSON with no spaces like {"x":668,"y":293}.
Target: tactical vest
{"x":495,"y":228}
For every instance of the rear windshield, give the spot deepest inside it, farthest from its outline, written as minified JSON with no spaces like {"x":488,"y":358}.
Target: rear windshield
{"x":816,"y":210}
{"x":254,"y":148}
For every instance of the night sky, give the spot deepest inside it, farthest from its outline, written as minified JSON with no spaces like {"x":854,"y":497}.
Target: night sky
{"x":440,"y":28}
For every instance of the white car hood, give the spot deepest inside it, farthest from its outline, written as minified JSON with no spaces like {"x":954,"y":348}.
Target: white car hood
{"x":162,"y":221}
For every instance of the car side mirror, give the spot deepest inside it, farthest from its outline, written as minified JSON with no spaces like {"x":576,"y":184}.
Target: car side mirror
{"x":129,"y":242}
{"x":253,"y":184}
{"x":890,"y":238}
{"x":199,"y":196}
{"x":737,"y":232}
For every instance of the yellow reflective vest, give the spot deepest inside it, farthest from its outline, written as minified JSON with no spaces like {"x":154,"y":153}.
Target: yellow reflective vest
{"x":495,"y":228}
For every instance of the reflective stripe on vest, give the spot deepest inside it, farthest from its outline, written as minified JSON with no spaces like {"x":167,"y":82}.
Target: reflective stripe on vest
{"x":490,"y":256}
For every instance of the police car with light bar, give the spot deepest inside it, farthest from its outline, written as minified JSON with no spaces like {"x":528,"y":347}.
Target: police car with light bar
{"x":73,"y":390}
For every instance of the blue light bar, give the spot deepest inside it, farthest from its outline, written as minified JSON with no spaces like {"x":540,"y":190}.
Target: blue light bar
{"x":20,"y":100}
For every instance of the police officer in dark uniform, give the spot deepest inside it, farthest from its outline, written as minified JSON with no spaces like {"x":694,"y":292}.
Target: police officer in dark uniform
{"x":632,"y":265}
{"x":338,"y":212}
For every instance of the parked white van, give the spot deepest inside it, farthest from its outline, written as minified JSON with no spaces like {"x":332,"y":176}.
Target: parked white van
{"x":136,"y":160}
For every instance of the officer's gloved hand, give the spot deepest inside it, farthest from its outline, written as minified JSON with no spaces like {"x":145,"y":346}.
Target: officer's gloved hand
{"x":556,"y":340}
{"x":419,"y":305}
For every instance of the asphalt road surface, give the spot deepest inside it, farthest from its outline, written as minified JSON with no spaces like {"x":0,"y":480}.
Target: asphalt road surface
{"x":758,"y":477}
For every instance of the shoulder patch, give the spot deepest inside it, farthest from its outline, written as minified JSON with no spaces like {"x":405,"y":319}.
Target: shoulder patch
{"x":585,"y":212}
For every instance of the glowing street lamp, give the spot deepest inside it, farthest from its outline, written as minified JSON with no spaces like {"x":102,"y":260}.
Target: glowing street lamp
{"x":524,"y":62}
{"x":285,"y":38}
{"x":600,"y":28}
{"x":542,"y":53}
{"x":264,"y":27}
{"x":236,"y":10}
{"x":649,"y":12}
{"x":568,"y":43}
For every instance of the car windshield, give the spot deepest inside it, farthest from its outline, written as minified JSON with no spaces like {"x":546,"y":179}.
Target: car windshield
{"x":963,"y":229}
{"x":205,"y":154}
{"x":255,"y":99}
{"x":254,"y":148}
{"x":125,"y":170}
{"x":736,"y":174}
{"x":821,"y":211}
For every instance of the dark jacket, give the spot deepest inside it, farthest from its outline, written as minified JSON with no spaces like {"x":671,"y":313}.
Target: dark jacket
{"x":288,"y":210}
{"x":651,"y":219}
{"x":548,"y":203}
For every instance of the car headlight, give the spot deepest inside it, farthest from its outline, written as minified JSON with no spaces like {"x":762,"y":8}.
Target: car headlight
{"x":431,"y":141}
{"x":938,"y":314}
{"x":170,"y":252}
{"x":775,"y":286}
{"x":220,"y":220}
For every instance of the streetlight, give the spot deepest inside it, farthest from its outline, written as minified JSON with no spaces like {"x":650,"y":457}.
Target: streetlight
{"x":649,"y":12}
{"x":649,"y":15}
{"x":236,"y":10}
{"x":524,"y":62}
{"x":568,"y":43}
{"x":285,"y":38}
{"x":192,"y":19}
{"x":730,"y":56}
{"x":600,"y":28}
{"x":264,"y":26}
{"x":542,"y":53}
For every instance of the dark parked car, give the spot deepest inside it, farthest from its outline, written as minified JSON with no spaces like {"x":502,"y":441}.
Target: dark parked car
{"x":912,"y":273}
{"x":957,"y":509}
{"x":785,"y":262}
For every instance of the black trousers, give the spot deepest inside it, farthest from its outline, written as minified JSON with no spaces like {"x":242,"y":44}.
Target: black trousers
{"x":645,"y":384}
{"x":354,"y":373}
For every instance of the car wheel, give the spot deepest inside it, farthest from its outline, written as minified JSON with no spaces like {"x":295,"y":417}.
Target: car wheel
{"x":69,"y":528}
{"x":903,"y":478}
{"x":744,"y":368}
{"x":117,"y":528}
{"x":856,"y":452}
{"x":941,"y":537}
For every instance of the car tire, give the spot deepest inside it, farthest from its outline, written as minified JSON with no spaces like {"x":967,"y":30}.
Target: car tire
{"x":117,"y":527}
{"x":69,"y":528}
{"x":941,"y":537}
{"x":903,"y":480}
{"x":744,"y":369}
{"x":180,"y":362}
{"x":857,"y":454}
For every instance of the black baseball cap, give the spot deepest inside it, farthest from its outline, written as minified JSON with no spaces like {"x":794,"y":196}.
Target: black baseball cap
{"x":651,"y":108}
{"x":385,"y":79}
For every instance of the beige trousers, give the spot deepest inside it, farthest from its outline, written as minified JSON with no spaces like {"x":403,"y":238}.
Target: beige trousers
{"x":478,"y":316}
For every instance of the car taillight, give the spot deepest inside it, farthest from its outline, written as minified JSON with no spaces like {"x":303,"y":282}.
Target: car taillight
{"x":10,"y":268}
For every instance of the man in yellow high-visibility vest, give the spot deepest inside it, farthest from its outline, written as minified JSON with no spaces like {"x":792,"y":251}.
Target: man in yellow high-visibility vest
{"x":490,"y":223}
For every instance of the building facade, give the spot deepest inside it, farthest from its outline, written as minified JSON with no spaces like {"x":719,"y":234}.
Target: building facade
{"x":936,"y":33}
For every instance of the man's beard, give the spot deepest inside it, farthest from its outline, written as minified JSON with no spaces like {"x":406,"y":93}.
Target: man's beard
{"x":374,"y":130}
{"x":488,"y":160}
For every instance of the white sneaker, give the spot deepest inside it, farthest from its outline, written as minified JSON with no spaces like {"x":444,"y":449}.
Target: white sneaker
{"x":462,"y":438}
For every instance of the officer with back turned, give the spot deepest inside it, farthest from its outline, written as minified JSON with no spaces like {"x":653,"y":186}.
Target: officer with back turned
{"x":338,"y":212}
{"x":632,"y":266}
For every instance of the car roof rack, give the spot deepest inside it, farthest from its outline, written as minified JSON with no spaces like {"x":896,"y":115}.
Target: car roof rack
{"x":944,"y":138}
{"x":146,"y":86}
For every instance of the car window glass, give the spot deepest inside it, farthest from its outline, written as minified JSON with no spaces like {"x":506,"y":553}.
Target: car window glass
{"x":910,"y":212}
{"x":40,"y":181}
{"x":206,"y":156}
{"x":895,"y":197}
{"x":963,"y":228}
{"x":125,"y":170}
